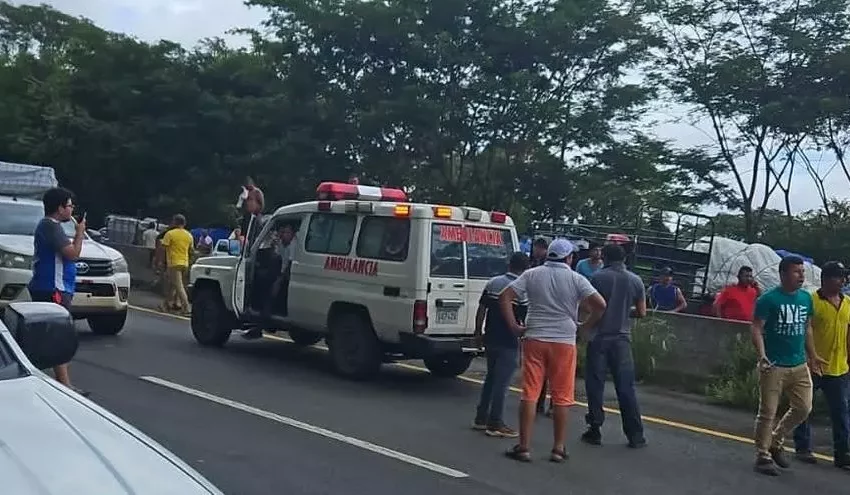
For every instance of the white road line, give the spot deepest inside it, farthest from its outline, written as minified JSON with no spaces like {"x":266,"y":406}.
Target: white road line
{"x":452,"y":473}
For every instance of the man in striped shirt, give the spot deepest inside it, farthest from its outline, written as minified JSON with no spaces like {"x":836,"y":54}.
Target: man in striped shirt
{"x":502,"y":348}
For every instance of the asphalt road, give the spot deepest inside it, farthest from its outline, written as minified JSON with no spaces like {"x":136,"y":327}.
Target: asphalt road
{"x":266,"y":417}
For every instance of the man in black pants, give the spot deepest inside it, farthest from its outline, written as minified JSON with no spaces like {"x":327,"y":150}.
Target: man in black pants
{"x":610,"y":347}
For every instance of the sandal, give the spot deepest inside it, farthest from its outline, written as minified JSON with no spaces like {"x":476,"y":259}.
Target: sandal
{"x":558,"y":456}
{"x":518,"y":453}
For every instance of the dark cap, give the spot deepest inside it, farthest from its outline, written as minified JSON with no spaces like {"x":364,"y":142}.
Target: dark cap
{"x":833,"y":269}
{"x":666,"y":271}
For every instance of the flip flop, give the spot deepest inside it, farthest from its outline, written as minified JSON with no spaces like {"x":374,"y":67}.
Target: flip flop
{"x":518,"y":453}
{"x":558,"y":456}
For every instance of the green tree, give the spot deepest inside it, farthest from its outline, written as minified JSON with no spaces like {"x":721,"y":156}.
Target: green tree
{"x":742,"y":66}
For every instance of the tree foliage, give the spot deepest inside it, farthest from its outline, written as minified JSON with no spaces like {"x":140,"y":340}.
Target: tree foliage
{"x":754,"y":70}
{"x":529,"y":107}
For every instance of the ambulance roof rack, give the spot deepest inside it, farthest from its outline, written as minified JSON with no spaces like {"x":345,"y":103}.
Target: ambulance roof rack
{"x":337,"y":191}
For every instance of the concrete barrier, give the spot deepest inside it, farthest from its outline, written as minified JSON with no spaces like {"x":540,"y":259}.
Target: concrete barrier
{"x":698,"y":345}
{"x":138,"y":261}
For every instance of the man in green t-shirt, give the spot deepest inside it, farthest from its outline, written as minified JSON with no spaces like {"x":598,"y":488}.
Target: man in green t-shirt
{"x":782,"y":335}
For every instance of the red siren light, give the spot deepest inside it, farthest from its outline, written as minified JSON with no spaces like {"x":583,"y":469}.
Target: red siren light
{"x":337,"y":191}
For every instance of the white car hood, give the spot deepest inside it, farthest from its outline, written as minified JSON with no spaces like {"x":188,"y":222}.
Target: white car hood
{"x":53,"y":442}
{"x":22,"y":244}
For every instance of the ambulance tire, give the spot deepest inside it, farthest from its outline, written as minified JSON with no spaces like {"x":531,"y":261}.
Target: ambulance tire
{"x":448,"y":366}
{"x":210,"y":320}
{"x":354,"y":348}
{"x":303,"y":338}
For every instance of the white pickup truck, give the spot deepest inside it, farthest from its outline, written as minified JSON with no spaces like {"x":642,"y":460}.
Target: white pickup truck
{"x":103,"y":280}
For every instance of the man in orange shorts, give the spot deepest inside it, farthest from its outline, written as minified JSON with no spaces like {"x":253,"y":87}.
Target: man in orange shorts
{"x":554,"y":293}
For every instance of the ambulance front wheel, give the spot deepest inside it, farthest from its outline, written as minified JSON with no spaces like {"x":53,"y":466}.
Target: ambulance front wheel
{"x":210,"y":318}
{"x":448,"y":366}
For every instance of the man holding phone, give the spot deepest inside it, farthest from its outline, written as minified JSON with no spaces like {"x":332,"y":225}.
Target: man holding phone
{"x":54,"y":271}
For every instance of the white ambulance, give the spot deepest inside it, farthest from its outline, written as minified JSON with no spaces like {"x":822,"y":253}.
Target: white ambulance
{"x":379,"y":278}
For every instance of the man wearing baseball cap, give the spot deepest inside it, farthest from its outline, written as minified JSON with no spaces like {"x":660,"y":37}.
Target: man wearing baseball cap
{"x":554,"y":293}
{"x":830,"y":323}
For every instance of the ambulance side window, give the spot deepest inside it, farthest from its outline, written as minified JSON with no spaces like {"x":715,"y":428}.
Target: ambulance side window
{"x":330,"y":233}
{"x":384,"y":238}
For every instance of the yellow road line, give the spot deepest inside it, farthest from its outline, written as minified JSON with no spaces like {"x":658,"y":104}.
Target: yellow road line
{"x":648,"y":419}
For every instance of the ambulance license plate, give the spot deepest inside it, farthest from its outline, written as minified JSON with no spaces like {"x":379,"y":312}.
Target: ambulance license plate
{"x":446,"y":316}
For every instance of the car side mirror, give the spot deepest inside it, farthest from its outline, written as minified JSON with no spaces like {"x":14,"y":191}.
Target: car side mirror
{"x":44,"y":331}
{"x":233,"y":247}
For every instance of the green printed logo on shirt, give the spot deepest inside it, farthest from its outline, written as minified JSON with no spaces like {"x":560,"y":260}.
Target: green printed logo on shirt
{"x":785,"y":317}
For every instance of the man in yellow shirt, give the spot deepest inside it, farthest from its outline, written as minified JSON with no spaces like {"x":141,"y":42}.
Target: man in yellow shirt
{"x":830,"y":324}
{"x":177,"y":244}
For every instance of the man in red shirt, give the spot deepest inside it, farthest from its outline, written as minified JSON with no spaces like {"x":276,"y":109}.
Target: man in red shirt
{"x":737,"y":302}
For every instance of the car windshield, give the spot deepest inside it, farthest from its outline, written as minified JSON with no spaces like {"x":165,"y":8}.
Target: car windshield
{"x":9,"y":367}
{"x":21,"y":219}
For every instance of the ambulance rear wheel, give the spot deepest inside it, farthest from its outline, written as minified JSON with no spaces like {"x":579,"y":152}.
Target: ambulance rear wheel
{"x":448,"y":366}
{"x":354,"y":348}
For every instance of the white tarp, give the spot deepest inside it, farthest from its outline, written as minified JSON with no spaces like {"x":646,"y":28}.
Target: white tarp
{"x":17,"y":179}
{"x":728,"y":256}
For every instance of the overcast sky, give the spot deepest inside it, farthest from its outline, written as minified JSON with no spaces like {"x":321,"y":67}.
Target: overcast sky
{"x":187,"y":21}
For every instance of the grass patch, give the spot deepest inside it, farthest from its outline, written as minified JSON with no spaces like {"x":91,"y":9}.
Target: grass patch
{"x":652,"y":342}
{"x":736,"y":384}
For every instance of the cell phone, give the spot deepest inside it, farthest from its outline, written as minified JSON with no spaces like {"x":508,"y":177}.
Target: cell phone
{"x":85,"y":214}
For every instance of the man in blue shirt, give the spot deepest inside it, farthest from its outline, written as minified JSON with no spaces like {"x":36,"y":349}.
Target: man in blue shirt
{"x":593,"y":262}
{"x":502,"y":350}
{"x":665,"y":296}
{"x":54,"y":271}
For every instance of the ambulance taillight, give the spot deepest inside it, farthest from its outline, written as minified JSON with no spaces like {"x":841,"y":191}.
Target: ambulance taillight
{"x":420,"y":316}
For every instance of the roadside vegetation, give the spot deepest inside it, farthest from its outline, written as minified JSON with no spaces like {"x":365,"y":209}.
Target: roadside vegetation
{"x":522,"y":107}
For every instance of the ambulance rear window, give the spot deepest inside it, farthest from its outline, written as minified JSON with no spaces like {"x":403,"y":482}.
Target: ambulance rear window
{"x":487,"y":251}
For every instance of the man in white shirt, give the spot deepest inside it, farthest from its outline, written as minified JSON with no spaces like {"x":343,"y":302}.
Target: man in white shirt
{"x":554,"y":293}
{"x":149,"y":237}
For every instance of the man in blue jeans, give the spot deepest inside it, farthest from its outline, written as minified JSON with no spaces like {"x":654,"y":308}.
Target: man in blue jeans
{"x":830,"y":322}
{"x":610,"y":347}
{"x":502,"y":350}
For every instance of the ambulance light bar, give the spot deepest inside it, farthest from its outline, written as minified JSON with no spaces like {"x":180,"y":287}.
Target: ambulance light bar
{"x":473,"y":214}
{"x":336,"y":191}
{"x":359,"y":206}
{"x":401,"y":211}
{"x":443,"y":211}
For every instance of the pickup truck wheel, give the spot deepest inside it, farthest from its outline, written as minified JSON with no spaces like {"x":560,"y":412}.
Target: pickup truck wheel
{"x":108,"y":324}
{"x":448,"y":366}
{"x":303,"y":338}
{"x":354,"y":349}
{"x":210,"y":319}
